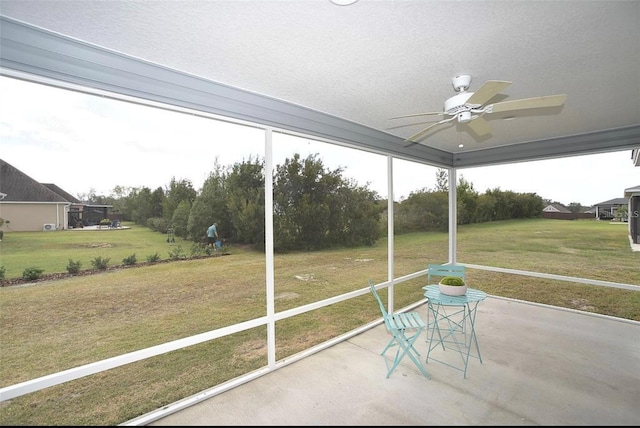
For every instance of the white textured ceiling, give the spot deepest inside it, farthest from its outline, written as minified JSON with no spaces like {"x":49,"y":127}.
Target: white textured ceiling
{"x":374,"y":60}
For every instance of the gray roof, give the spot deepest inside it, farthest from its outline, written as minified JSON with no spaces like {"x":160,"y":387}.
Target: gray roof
{"x":19,"y":187}
{"x":69,"y":197}
{"x":630,"y":190}
{"x":616,"y":201}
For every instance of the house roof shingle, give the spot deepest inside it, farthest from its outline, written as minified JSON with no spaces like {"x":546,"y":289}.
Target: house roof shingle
{"x":19,"y":187}
{"x":616,"y":201}
{"x":68,"y":196}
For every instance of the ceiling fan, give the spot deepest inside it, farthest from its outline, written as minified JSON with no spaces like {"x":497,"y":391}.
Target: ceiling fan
{"x":470,"y":107}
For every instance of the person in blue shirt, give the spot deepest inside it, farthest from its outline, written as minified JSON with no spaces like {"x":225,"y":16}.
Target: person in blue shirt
{"x":212,"y":235}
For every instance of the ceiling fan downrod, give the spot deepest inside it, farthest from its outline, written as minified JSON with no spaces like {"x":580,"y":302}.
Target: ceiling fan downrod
{"x":461,"y":83}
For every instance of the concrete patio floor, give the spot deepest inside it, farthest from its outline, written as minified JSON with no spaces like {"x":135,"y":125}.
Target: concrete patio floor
{"x":541,"y":366}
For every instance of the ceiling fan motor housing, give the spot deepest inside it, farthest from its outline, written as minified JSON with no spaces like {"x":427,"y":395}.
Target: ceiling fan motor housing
{"x":457,"y":103}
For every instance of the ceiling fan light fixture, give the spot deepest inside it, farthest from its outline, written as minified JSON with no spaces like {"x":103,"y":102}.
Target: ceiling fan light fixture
{"x":343,"y":2}
{"x":464,"y":117}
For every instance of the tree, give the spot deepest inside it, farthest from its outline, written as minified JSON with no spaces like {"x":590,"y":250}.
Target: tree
{"x":177,"y":192}
{"x":622,"y":213}
{"x":356,"y":221}
{"x":423,"y":211}
{"x":156,"y":202}
{"x":210,"y":206}
{"x":316,"y":208}
{"x":301,"y":214}
{"x":180,"y":219}
{"x":139,"y":204}
{"x":467,"y":199}
{"x":245,"y":201}
{"x":442,"y":180}
{"x":575,"y":207}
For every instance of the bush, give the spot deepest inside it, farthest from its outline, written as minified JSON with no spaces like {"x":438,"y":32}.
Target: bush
{"x":158,"y":224}
{"x":3,"y":270}
{"x":131,"y":260}
{"x":452,"y":280}
{"x":200,"y":250}
{"x":74,"y":267}
{"x":32,"y":273}
{"x":153,"y":258}
{"x":177,"y":253}
{"x":100,"y":262}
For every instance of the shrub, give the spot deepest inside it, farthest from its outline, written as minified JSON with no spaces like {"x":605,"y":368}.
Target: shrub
{"x":177,"y":253}
{"x":131,"y":260}
{"x":200,"y":250}
{"x":153,"y":257}
{"x":158,"y":224}
{"x":74,"y":267}
{"x":100,"y":262}
{"x":452,"y":280}
{"x":32,"y":273}
{"x":3,"y":270}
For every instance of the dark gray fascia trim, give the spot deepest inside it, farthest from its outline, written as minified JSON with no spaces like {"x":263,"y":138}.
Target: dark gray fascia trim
{"x":574,"y":145}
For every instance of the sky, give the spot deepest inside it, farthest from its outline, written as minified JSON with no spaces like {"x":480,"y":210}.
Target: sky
{"x":87,"y":143}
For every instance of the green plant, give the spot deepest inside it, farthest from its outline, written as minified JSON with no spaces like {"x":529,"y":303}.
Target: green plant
{"x":105,"y":222}
{"x":2,"y":271}
{"x":177,"y":253}
{"x":100,"y":262}
{"x":131,"y":260}
{"x":74,"y":267}
{"x":452,"y":280}
{"x":153,"y":257}
{"x":32,"y":273}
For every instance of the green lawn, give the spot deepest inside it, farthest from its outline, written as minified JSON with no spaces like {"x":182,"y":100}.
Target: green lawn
{"x":51,"y":326}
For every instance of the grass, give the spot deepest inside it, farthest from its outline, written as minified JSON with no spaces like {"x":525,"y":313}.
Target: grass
{"x":51,"y":326}
{"x":53,"y":250}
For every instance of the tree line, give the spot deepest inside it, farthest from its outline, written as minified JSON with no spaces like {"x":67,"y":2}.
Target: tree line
{"x":314,"y":207}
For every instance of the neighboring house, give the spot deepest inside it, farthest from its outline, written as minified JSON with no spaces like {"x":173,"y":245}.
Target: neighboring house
{"x":607,"y":210}
{"x":26,"y":205}
{"x":633,"y":193}
{"x":555,"y":208}
{"x":560,"y":212}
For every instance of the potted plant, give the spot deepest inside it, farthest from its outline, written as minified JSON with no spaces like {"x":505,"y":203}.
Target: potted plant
{"x":452,"y":286}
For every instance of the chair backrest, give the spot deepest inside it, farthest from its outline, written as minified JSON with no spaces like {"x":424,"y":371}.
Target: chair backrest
{"x":444,"y":270}
{"x":375,"y":294}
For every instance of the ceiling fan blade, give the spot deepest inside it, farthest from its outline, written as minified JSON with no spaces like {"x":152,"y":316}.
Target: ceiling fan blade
{"x":414,"y":138}
{"x":418,"y":114}
{"x":488,"y":90}
{"x":479,"y":126}
{"x":527,"y":103}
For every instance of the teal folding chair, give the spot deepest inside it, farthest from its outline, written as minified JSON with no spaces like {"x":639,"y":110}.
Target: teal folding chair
{"x":405,"y":329}
{"x":439,"y":271}
{"x":453,"y":319}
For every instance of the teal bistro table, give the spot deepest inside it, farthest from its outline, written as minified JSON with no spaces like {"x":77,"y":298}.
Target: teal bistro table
{"x":453,"y":324}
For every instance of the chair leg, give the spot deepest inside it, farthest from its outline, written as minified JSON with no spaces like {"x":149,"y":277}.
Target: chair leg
{"x":405,"y":347}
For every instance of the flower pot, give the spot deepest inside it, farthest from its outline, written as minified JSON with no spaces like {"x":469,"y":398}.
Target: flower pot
{"x":453,"y":290}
